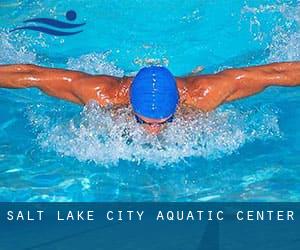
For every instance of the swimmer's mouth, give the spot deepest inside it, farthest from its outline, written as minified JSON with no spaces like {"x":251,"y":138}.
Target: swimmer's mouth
{"x":141,"y":121}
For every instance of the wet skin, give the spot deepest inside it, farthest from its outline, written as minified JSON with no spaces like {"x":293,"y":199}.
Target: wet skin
{"x":203,"y":92}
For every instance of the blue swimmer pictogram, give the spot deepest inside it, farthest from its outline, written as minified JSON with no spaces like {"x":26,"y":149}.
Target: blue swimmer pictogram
{"x":71,"y":15}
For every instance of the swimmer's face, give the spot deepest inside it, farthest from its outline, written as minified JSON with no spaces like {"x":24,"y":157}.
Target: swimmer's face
{"x":153,"y":126}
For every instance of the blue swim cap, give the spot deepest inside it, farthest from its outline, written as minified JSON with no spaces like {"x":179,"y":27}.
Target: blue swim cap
{"x":154,"y":93}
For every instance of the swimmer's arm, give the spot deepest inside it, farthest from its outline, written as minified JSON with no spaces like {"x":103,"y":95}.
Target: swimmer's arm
{"x":74,"y":86}
{"x":54,"y":82}
{"x":207,"y":92}
{"x":255,"y":79}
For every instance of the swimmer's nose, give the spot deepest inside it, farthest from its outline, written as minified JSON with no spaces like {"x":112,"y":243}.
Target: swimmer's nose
{"x":153,"y":129}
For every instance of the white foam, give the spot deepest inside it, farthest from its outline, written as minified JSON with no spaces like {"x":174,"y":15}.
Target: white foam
{"x":95,"y":63}
{"x":106,"y":136}
{"x":285,"y":44}
{"x":12,"y":51}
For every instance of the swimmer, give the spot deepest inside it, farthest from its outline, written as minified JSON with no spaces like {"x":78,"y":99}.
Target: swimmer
{"x":154,"y":93}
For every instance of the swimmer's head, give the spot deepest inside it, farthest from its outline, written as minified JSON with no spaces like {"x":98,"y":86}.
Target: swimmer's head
{"x":154,"y":95}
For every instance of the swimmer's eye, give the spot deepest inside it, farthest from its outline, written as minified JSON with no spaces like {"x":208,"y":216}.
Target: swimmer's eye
{"x":141,"y":121}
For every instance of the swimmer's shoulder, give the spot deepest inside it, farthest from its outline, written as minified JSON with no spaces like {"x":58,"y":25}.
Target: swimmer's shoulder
{"x":106,"y":90}
{"x":205,"y":92}
{"x":191,"y":85}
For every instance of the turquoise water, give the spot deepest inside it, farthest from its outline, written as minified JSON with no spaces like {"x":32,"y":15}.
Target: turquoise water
{"x":51,"y":150}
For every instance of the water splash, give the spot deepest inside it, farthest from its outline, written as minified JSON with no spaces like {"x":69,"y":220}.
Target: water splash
{"x":106,"y":136}
{"x":264,"y":8}
{"x":143,"y":62}
{"x":95,"y":63}
{"x":285,"y":45}
{"x":285,"y":36}
{"x":12,"y":51}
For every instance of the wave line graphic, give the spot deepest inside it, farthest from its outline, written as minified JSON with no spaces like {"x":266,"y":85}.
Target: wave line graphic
{"x":54,"y":23}
{"x":48,"y":31}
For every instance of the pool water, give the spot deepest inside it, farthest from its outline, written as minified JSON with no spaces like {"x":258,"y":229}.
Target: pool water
{"x":248,"y":150}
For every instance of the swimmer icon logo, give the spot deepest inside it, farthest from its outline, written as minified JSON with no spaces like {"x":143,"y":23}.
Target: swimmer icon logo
{"x":57,"y":28}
